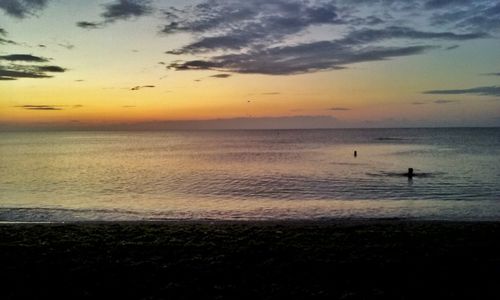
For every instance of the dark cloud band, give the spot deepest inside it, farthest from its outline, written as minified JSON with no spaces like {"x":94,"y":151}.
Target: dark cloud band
{"x":221,"y":76}
{"x":140,"y":87}
{"x":23,"y":57}
{"x":88,"y":25}
{"x":443,"y":101}
{"x":298,"y":59}
{"x":48,"y":107}
{"x":40,"y":107}
{"x":481,"y":91}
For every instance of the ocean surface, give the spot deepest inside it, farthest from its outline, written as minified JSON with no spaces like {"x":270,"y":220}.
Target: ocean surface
{"x":250,"y":175}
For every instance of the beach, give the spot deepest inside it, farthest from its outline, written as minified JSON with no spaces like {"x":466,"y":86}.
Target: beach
{"x":328,"y":259}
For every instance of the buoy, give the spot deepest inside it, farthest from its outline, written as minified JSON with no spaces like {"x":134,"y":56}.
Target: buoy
{"x":410,"y":173}
{"x":355,"y":153}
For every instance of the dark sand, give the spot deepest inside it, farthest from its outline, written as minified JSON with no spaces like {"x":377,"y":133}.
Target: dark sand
{"x":339,"y":259}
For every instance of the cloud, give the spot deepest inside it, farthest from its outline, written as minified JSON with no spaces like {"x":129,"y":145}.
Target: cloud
{"x":433,"y":4}
{"x":400,"y":32}
{"x":120,"y":10}
{"x":55,"y":69}
{"x":40,"y":107}
{"x":357,"y":37}
{"x":139,"y":87}
{"x":126,"y":9}
{"x":12,"y":74}
{"x":238,"y":24}
{"x":481,"y":91}
{"x":418,"y":103}
{"x":298,"y":59}
{"x":67,"y":46}
{"x":481,"y":15}
{"x":271,"y":34}
{"x":22,"y":8}
{"x":339,"y":109}
{"x":16,"y":67}
{"x":222,"y":76}
{"x":271,"y":93}
{"x":445,"y":101}
{"x":23,"y":57}
{"x":262,"y":23}
{"x":5,"y":41}
{"x":88,"y":25}
{"x":3,"y":32}
{"x":48,"y":107}
{"x":492,"y":74}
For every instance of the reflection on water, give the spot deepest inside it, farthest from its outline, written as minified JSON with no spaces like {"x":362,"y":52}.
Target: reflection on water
{"x":250,"y":174}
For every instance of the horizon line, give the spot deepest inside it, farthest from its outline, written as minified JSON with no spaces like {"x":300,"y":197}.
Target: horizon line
{"x":94,"y":129}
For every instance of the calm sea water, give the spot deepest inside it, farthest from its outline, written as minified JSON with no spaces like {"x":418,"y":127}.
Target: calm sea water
{"x":283,"y":174}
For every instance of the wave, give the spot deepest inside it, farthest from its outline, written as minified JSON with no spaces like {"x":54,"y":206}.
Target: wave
{"x":16,"y":214}
{"x":405,"y":174}
{"x":391,"y":139}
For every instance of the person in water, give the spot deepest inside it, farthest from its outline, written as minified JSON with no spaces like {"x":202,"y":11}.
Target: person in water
{"x":410,"y":173}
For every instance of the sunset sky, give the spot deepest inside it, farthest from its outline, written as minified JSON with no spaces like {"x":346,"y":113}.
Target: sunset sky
{"x":260,"y":64}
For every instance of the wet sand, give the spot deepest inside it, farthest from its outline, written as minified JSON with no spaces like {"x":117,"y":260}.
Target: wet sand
{"x":336,"y":259}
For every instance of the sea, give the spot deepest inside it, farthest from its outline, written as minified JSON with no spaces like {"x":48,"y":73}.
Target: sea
{"x":250,"y":175}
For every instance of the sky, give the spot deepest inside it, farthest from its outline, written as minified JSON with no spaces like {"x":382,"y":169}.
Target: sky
{"x":232,"y":64}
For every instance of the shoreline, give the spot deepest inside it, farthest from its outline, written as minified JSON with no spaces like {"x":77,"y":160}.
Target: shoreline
{"x":339,"y":259}
{"x":263,"y":221}
{"x":277,"y":210}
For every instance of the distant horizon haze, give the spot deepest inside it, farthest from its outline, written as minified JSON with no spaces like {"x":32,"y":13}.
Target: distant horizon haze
{"x":266,"y":123}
